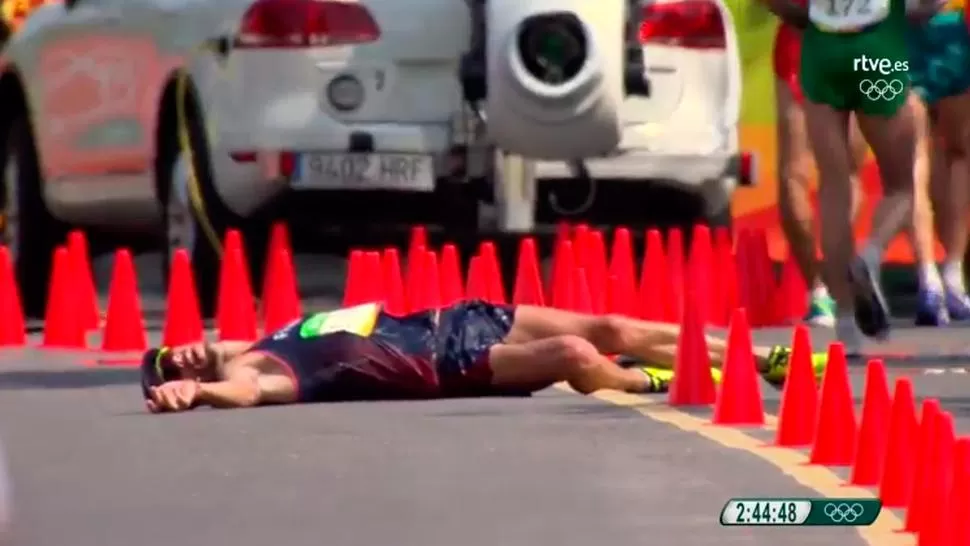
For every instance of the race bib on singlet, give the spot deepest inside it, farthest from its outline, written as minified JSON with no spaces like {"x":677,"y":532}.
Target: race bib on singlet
{"x":359,"y":320}
{"x":847,"y":15}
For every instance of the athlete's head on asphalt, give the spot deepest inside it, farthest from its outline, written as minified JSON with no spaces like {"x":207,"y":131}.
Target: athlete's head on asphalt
{"x":187,"y":363}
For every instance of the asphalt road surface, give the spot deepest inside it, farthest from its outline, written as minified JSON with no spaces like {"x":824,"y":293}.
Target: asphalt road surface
{"x":90,"y":468}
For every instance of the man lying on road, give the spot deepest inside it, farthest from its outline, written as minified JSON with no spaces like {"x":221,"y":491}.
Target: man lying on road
{"x":468,"y":349}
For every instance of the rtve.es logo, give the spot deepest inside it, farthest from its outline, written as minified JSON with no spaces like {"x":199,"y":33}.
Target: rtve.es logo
{"x":879,"y":87}
{"x":886,"y":67}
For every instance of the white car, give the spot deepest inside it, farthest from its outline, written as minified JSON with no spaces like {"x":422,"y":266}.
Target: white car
{"x":186,"y":117}
{"x":278,"y":95}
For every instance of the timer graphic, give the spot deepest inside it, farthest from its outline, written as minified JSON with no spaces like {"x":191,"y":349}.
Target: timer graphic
{"x":800,"y":511}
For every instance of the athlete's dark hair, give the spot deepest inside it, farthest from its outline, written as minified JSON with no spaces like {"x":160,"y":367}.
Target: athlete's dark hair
{"x":156,"y":368}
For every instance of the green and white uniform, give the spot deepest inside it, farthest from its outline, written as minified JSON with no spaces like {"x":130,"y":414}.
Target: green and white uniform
{"x":840,"y":34}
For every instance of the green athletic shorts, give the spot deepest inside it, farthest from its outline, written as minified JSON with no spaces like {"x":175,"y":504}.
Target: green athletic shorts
{"x":831,"y":72}
{"x":939,"y":63}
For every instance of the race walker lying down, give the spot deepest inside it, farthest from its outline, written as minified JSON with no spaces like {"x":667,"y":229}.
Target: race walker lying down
{"x":468,"y":349}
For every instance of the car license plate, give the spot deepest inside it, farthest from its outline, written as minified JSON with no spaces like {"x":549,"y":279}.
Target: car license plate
{"x":408,"y":172}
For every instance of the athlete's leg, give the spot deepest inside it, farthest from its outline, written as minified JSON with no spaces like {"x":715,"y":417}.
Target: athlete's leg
{"x":889,"y":125}
{"x":860,"y":153}
{"x":653,"y":344}
{"x":954,"y":205}
{"x":945,"y":45}
{"x":828,"y":134}
{"x":931,"y":310}
{"x":609,"y":334}
{"x":939,"y":179}
{"x":939,"y":53}
{"x":795,"y":166}
{"x":831,"y":96}
{"x":561,"y":358}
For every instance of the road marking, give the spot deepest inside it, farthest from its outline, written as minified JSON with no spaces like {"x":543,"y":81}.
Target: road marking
{"x":791,"y":462}
{"x":942,"y":371}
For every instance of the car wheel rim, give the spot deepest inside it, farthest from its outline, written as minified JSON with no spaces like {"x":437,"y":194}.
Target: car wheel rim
{"x":182,"y":231}
{"x":10,"y":219}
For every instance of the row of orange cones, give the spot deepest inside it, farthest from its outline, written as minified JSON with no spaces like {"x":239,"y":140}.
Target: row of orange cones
{"x":73,"y":311}
{"x":915,"y":462}
{"x":584,"y":278}
{"x":580,"y":271}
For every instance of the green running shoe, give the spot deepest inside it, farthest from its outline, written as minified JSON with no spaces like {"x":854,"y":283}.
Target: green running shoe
{"x":821,"y":312}
{"x":660,"y":378}
{"x":776,"y":368}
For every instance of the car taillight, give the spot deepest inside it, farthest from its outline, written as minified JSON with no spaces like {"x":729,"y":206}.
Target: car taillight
{"x":695,"y":24}
{"x":305,"y":23}
{"x":287,"y":164}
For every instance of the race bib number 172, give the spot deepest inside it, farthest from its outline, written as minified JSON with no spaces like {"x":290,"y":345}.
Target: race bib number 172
{"x":359,"y":320}
{"x":848,"y":15}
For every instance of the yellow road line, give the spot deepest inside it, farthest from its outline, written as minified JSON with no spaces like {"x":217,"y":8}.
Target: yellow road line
{"x":791,"y":462}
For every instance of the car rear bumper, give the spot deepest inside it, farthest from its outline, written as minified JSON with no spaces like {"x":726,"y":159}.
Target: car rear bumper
{"x":692,"y":172}
{"x":711,"y":177}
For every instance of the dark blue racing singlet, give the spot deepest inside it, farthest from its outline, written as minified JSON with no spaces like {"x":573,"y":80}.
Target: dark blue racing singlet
{"x":362,"y":353}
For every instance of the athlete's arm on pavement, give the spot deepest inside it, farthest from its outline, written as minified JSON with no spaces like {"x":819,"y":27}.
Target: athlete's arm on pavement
{"x":229,"y":393}
{"x":245,"y":387}
{"x":790,"y":12}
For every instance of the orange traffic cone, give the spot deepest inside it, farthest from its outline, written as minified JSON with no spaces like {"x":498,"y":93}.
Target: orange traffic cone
{"x":124,"y":327}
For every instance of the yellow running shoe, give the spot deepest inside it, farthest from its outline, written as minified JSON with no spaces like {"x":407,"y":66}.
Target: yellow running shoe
{"x":779,"y":357}
{"x":660,"y":378}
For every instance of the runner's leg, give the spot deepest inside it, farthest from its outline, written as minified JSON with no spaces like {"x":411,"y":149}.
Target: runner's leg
{"x":795,"y":173}
{"x":827,"y":113}
{"x":828,"y":134}
{"x":945,"y":44}
{"x":609,"y":334}
{"x":547,"y":335}
{"x":795,"y":165}
{"x":955,"y":202}
{"x":561,"y":358}
{"x":931,"y":310}
{"x":860,"y":154}
{"x":886,"y":119}
{"x":650,"y":343}
{"x":939,"y":53}
{"x":892,"y":138}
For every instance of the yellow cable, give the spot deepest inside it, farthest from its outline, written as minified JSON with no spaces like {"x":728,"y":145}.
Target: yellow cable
{"x":196,"y":200}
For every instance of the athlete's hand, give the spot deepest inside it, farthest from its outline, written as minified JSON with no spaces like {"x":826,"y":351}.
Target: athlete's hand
{"x":194,"y":355}
{"x":173,"y":396}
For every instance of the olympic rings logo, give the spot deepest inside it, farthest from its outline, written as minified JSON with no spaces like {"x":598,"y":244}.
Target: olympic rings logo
{"x":843,"y":512}
{"x":881,"y":89}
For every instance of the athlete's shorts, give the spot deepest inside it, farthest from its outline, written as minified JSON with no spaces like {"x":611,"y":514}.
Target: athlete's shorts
{"x":786,"y":57}
{"x":466,"y":332}
{"x":939,"y":65}
{"x":831,"y":76}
